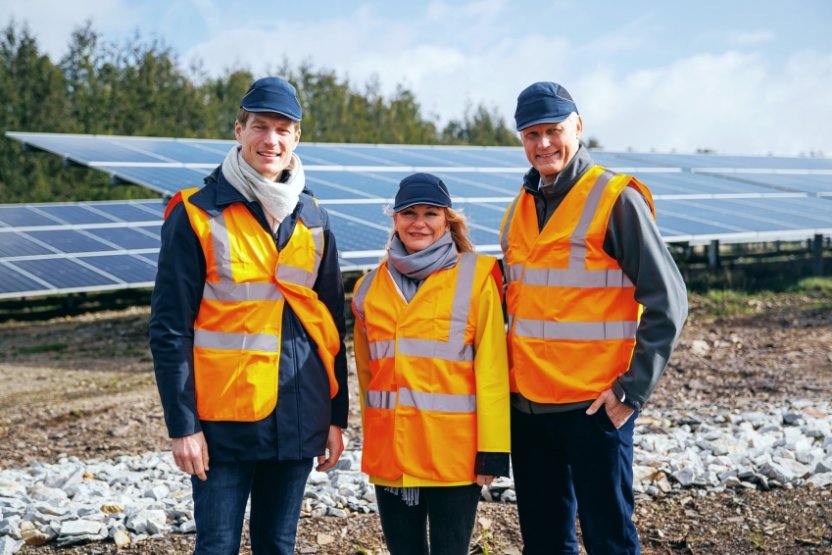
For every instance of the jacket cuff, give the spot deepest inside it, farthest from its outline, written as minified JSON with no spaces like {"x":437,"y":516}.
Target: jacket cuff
{"x":491,"y":464}
{"x":623,"y":397}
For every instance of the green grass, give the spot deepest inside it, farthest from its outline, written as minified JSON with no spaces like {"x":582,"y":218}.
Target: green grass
{"x":37,"y":349}
{"x":808,"y":293}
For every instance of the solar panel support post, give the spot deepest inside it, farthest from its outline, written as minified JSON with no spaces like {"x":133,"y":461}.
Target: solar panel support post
{"x":817,"y":254}
{"x":713,"y":254}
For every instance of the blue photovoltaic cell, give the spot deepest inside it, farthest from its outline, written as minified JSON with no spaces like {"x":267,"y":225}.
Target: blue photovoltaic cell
{"x":23,"y":216}
{"x":132,"y":211}
{"x":816,"y":184}
{"x":346,"y":185}
{"x":167,"y":180}
{"x":153,"y":257}
{"x":70,"y":241}
{"x":173,"y":150}
{"x":73,"y":214}
{"x":64,"y":273}
{"x":129,"y":238}
{"x":716,"y":161}
{"x":694,"y":184}
{"x":124,"y":267}
{"x":87,"y":148}
{"x":18,"y":244}
{"x":488,"y":215}
{"x":481,"y":184}
{"x":14,"y":282}
{"x":713,"y":212}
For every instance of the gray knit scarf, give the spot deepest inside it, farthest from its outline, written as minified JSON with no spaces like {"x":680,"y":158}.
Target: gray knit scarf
{"x":278,"y":199}
{"x":410,"y":270}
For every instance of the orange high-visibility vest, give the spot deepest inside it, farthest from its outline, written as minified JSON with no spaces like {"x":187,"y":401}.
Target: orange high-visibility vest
{"x":237,"y":333}
{"x":572,"y":312}
{"x":420,"y":406}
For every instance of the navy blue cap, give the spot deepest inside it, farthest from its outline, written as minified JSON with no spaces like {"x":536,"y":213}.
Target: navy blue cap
{"x":543,"y":102}
{"x":421,"y":188}
{"x":273,"y":94}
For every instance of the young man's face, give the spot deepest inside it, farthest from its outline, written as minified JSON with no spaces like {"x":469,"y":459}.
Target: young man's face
{"x":268,"y":142}
{"x":550,"y":146}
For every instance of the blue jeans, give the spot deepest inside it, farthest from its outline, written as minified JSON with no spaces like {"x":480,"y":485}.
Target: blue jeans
{"x":451,"y":512}
{"x":276,"y":489}
{"x":566,"y":462}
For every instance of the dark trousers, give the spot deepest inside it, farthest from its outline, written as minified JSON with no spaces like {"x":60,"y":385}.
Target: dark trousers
{"x":567,"y":462}
{"x":450,"y":512}
{"x":276,"y":489}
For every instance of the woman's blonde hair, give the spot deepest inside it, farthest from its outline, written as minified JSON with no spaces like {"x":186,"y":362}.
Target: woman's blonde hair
{"x":457,"y":224}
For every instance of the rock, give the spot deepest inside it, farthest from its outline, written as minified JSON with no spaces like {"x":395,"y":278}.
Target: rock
{"x":325,"y":539}
{"x":820,"y":480}
{"x":34,"y":536}
{"x":699,"y":347}
{"x":80,"y":528}
{"x":121,"y":538}
{"x":9,"y":546}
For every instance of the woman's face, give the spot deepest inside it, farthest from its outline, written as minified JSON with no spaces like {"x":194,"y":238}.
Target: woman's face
{"x":420,"y":226}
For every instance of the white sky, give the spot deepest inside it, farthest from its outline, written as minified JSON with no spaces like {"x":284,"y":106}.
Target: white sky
{"x":737,"y":76}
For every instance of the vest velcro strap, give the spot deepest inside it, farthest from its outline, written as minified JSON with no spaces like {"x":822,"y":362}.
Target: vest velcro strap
{"x":454,"y":349}
{"x":590,"y":331}
{"x":375,"y":399}
{"x":235,"y":341}
{"x":576,"y":277}
{"x":382,"y":349}
{"x":438,"y":402}
{"x":226,"y":291}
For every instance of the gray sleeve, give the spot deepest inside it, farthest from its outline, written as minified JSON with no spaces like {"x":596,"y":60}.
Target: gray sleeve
{"x":633,"y":239}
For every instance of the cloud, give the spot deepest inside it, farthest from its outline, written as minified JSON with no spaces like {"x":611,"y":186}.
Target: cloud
{"x":734,"y":103}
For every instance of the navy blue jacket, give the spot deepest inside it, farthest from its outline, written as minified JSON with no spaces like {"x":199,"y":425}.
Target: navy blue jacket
{"x":299,"y":425}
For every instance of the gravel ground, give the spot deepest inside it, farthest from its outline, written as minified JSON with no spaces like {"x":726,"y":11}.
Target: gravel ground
{"x":84,"y":386}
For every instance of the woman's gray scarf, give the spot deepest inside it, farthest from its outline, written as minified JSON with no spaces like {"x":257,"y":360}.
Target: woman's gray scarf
{"x":410,"y":270}
{"x":278,"y":198}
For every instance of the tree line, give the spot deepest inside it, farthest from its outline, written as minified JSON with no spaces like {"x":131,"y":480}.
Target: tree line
{"x":139,"y":88}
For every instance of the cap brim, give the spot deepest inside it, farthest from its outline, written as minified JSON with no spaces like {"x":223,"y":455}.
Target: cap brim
{"x":261,"y":110}
{"x":550,"y":119}
{"x":417,"y":202}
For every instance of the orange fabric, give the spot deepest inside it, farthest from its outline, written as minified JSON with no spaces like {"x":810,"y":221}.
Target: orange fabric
{"x":567,"y":370}
{"x":176,"y":199}
{"x":240,"y":384}
{"x":406,"y":439}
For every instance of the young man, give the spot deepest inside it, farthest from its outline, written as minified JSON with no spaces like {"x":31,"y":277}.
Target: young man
{"x":595,"y":305}
{"x":247,"y":329}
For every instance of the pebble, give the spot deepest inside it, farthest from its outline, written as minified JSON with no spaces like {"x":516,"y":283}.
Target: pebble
{"x":131,"y":498}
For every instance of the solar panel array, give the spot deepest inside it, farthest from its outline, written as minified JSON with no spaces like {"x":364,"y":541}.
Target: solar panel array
{"x":699,"y":198}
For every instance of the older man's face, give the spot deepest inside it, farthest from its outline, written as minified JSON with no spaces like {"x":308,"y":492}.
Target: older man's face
{"x":550,"y":146}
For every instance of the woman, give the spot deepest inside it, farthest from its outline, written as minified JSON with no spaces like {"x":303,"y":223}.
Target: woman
{"x":431,"y":355}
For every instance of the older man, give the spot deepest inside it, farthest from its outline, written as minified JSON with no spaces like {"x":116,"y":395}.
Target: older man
{"x":246,"y":330}
{"x":595,"y":306}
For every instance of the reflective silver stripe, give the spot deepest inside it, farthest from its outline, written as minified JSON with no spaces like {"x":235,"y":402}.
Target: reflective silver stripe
{"x":235,"y":341}
{"x":318,"y":238}
{"x":222,"y":248}
{"x":590,"y":331}
{"x":509,"y":218}
{"x":291,"y":274}
{"x":514,"y":272}
{"x":235,"y":292}
{"x":427,"y":348}
{"x":382,"y":349}
{"x":440,"y":402}
{"x":577,"y":251}
{"x":576,"y":277}
{"x":380,"y":399}
{"x":361,"y":294}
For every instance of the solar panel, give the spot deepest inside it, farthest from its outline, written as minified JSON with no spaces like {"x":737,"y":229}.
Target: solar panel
{"x":61,"y":247}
